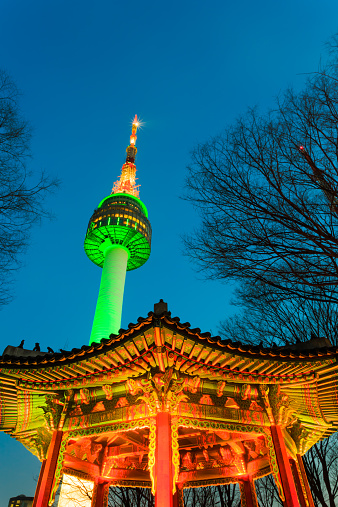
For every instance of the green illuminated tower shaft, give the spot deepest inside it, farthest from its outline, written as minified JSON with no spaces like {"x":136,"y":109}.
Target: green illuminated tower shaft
{"x":118,"y":239}
{"x":109,"y":303}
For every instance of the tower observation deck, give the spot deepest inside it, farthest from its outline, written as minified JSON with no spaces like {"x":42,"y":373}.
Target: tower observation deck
{"x":118,"y":239}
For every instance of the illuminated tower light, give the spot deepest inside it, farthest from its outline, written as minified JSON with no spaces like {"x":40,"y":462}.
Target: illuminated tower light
{"x":118,"y":239}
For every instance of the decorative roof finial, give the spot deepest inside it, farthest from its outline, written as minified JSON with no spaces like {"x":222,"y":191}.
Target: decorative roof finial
{"x":127,"y":182}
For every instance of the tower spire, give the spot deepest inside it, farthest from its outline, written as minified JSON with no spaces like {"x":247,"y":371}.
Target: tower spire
{"x":127,"y":182}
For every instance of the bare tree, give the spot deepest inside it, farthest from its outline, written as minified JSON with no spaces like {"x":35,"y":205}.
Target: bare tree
{"x":199,"y":497}
{"x":321,"y":463}
{"x":21,"y":195}
{"x":130,"y":497}
{"x":226,"y":495}
{"x":267,"y":493}
{"x":79,"y":492}
{"x":266,"y":318}
{"x":229,"y":495}
{"x":74,"y":491}
{"x":267,"y":193}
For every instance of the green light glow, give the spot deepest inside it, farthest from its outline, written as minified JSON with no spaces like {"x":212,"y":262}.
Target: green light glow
{"x":108,"y":311}
{"x":134,"y":241}
{"x":139,"y":202}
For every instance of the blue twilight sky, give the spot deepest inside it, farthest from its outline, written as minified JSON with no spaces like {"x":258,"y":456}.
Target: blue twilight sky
{"x":187,"y":68}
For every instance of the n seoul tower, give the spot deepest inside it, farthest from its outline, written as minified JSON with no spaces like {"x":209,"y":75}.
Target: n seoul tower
{"x":118,"y":239}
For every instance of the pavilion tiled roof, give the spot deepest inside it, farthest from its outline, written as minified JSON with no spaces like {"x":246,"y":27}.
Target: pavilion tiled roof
{"x":172,"y":323}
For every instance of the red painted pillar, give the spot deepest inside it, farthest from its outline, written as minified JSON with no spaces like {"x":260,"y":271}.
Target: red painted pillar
{"x":298,"y":483}
{"x":43,"y":464}
{"x":285,"y":473}
{"x":248,"y":492}
{"x":163,"y":462}
{"x":305,"y":481}
{"x":100,"y":494}
{"x":47,"y":475}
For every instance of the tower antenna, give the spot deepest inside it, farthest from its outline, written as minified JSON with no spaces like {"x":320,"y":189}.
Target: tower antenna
{"x":127,"y":181}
